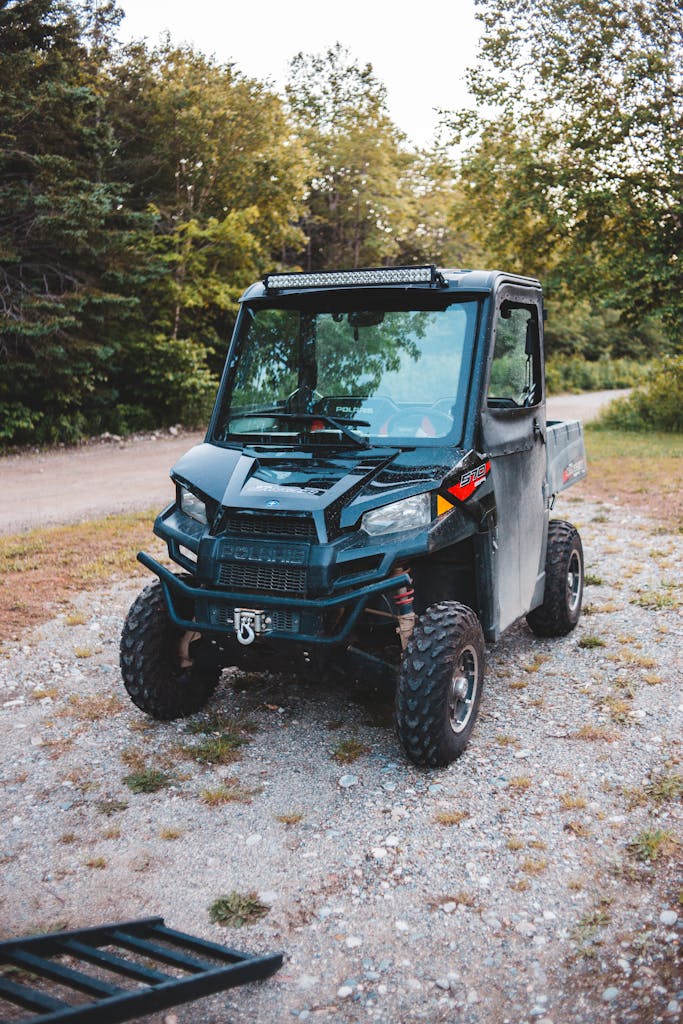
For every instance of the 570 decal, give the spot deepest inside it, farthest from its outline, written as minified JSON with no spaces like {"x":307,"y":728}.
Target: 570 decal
{"x":470,"y":480}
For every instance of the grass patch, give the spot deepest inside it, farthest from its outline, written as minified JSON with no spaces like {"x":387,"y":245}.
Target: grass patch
{"x":652,"y":844}
{"x":589,"y":925}
{"x":222,"y":749}
{"x":110,"y":806}
{"x":459,"y":899}
{"x":590,"y":641}
{"x":591,"y":579}
{"x":171,"y":833}
{"x":577,"y":828}
{"x":43,"y":569}
{"x":230,"y":792}
{"x":534,"y":865}
{"x":640,"y":471}
{"x":450,"y":817}
{"x":93,"y":707}
{"x":223,"y":737}
{"x":147,"y":780}
{"x":620,"y":709}
{"x":519,"y":783}
{"x":75,"y":619}
{"x":237,"y":909}
{"x":666,"y":787}
{"x":45,"y":694}
{"x":595,"y":734}
{"x":536,"y":662}
{"x":289,"y":819}
{"x":217,"y":722}
{"x":658,"y":600}
{"x":349,"y":751}
{"x":96,"y":863}
{"x":571,"y":802}
{"x":515,"y":843}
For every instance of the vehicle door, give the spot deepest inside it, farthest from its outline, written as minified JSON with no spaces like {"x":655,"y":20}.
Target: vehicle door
{"x":513,"y":434}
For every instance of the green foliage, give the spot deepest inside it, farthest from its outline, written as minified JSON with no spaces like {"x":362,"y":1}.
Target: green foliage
{"x":653,"y":844}
{"x":575,"y":173}
{"x":140,"y":192}
{"x":370,"y":200}
{"x":147,"y":780}
{"x":237,"y":909}
{"x":655,"y":405}
{"x":141,"y":189}
{"x":167,"y":381}
{"x":573,"y":374}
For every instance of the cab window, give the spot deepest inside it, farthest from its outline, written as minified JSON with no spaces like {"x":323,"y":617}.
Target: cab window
{"x":515,"y":380}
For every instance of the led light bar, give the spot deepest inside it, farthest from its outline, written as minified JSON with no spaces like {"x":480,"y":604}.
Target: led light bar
{"x":355,"y":278}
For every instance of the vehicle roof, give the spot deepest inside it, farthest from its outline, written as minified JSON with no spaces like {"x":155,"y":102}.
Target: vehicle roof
{"x":485,"y":281}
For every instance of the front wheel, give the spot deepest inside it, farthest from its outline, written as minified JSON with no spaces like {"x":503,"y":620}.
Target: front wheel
{"x":160,"y":675}
{"x":440,"y":683}
{"x":561,"y":608}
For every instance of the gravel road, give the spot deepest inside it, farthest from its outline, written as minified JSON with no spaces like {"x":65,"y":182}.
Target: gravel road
{"x":129,"y":475}
{"x":513,"y":886}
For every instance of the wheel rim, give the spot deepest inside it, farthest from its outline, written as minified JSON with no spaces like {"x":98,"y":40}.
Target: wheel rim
{"x":462,"y":690}
{"x":574,"y":581}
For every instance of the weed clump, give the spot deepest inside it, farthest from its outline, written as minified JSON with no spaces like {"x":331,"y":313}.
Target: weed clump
{"x":237,"y":909}
{"x":591,"y":641}
{"x":650,"y":845}
{"x":147,"y":780}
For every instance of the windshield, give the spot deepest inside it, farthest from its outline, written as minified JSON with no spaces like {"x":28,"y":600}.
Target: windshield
{"x":302,"y":375}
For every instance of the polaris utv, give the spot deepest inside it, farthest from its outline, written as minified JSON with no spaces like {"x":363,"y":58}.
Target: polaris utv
{"x":373,"y":494}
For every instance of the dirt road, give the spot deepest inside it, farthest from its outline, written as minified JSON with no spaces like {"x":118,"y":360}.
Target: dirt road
{"x":73,"y":484}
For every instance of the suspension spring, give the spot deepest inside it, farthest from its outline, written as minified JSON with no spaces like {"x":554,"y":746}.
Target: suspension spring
{"x":405,"y":613}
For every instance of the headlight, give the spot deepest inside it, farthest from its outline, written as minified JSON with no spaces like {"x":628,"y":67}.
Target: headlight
{"x":406,"y":514}
{"x":193,"y":506}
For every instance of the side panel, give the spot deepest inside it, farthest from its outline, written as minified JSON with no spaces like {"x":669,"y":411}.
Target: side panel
{"x":566,"y":455}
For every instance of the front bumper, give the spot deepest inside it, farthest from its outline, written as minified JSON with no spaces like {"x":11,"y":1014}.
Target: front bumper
{"x":305,"y":620}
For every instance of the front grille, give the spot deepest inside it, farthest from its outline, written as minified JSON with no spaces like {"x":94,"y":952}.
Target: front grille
{"x":271,"y":578}
{"x":281,"y":620}
{"x":266,"y":525}
{"x":286,"y":622}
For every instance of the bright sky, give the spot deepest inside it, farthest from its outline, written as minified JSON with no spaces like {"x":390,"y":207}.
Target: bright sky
{"x":419,"y":50}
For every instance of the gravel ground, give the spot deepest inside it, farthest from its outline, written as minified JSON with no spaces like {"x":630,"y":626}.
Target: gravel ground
{"x":512,"y":886}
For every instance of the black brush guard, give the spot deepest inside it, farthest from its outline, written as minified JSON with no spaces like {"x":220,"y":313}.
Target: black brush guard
{"x":123,"y":987}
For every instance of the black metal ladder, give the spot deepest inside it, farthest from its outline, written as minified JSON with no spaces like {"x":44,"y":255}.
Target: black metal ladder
{"x":123,"y":986}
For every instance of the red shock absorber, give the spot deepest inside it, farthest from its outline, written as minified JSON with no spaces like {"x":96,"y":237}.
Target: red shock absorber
{"x":403,"y":602}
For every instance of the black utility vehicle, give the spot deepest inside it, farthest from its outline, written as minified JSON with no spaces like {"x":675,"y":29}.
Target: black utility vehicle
{"x":373,"y":495}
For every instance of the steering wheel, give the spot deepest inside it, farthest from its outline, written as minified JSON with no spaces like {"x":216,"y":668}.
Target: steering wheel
{"x":429,"y":422}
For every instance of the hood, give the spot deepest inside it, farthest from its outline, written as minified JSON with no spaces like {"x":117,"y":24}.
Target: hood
{"x":343,"y":484}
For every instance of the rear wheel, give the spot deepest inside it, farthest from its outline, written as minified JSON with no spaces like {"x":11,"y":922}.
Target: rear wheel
{"x":160,"y":671}
{"x":561,"y":608}
{"x":440,"y":683}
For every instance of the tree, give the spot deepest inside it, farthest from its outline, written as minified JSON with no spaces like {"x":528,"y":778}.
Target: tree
{"x":62,"y":227}
{"x":358,"y":181}
{"x":140,"y":191}
{"x":209,"y":153}
{"x":577,"y":174}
